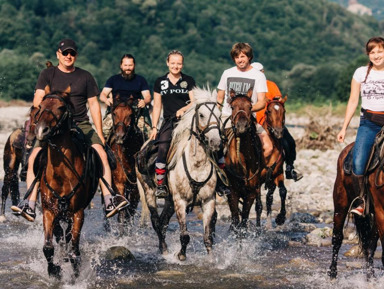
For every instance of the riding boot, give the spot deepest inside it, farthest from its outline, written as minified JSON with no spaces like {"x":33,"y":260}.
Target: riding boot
{"x":161,"y":189}
{"x":358,"y":182}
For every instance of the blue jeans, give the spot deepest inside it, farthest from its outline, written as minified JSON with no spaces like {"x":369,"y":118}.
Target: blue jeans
{"x":364,"y":140}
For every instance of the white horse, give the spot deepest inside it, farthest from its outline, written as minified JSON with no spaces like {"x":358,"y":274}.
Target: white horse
{"x":191,"y":172}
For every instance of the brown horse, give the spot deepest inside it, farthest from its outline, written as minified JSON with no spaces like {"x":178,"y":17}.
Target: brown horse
{"x":272,"y":175}
{"x":65,"y":186}
{"x":369,"y":228}
{"x":243,"y":161}
{"x":16,"y":151}
{"x":125,"y":141}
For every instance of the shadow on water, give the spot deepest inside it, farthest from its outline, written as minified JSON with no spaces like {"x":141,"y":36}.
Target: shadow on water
{"x":262,"y":260}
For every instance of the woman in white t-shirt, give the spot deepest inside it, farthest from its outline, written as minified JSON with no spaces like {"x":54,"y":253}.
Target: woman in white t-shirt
{"x":367,"y":81}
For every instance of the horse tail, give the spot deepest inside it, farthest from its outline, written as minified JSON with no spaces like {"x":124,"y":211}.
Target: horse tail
{"x":365,"y":228}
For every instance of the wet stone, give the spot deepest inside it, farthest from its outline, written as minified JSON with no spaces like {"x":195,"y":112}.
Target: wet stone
{"x":320,"y":237}
{"x":303,"y":218}
{"x":170,"y":273}
{"x":118,"y":253}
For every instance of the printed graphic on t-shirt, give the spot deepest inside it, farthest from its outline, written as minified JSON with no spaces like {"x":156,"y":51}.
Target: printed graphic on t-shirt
{"x":164,"y":85}
{"x":373,"y":90}
{"x":240,"y":85}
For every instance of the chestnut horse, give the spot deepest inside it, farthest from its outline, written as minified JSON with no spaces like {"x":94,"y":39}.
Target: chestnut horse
{"x":125,"y":141}
{"x":370,"y":227}
{"x":272,"y":175}
{"x":16,"y":151}
{"x":65,"y":186}
{"x":243,"y":161}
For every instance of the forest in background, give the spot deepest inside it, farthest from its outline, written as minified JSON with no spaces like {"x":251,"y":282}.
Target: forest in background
{"x":309,"y":48}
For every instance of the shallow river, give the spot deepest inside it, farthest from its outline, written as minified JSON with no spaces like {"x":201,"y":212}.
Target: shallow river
{"x":262,"y":260}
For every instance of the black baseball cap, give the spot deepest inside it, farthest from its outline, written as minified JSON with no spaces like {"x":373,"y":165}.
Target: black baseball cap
{"x":66,"y":44}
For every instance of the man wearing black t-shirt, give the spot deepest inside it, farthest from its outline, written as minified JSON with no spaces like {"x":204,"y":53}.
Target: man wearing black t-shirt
{"x":84,"y":91}
{"x":127,"y":84}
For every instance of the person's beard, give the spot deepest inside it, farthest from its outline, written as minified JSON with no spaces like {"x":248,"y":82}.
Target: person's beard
{"x":128,"y":74}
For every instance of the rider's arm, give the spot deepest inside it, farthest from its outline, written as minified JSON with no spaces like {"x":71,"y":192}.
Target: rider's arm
{"x":146,"y":99}
{"x":106,"y":96}
{"x":182,"y":110}
{"x":220,"y":96}
{"x":353,"y":102}
{"x":155,"y":114}
{"x":260,"y":104}
{"x":94,"y":108}
{"x":39,"y":94}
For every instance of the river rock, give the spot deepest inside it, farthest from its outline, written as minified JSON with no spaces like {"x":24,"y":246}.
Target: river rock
{"x":303,"y":218}
{"x":320,"y":237}
{"x":119,"y":253}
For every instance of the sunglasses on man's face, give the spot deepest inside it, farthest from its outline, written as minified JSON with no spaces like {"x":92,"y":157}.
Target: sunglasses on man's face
{"x":66,"y":52}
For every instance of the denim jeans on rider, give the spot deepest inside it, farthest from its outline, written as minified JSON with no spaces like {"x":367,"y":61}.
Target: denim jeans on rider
{"x":364,"y":140}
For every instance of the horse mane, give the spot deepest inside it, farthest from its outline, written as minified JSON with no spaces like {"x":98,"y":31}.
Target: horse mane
{"x":181,"y":133}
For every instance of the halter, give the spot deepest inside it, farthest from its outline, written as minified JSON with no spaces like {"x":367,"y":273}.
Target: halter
{"x":66,"y":116}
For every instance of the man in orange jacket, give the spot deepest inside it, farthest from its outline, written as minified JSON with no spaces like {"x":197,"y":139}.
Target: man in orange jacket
{"x":289,"y":144}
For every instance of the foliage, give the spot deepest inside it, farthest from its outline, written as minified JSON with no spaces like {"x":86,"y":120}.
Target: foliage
{"x":303,"y":45}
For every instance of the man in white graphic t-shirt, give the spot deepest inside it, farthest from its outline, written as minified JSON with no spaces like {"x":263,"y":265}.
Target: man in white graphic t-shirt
{"x":241,"y":78}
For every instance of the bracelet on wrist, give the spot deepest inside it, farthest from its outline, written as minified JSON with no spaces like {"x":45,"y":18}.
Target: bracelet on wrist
{"x":154,"y":127}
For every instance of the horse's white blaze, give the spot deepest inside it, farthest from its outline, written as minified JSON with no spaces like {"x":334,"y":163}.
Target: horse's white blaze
{"x":276,"y":107}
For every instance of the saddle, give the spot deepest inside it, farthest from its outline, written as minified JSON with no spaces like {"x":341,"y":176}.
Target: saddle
{"x":146,"y":158}
{"x":375,"y":157}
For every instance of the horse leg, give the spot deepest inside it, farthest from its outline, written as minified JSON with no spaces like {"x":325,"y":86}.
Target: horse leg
{"x":258,"y":207}
{"x":340,"y":200}
{"x":248,"y":202}
{"x":48,"y":249}
{"x":133,"y":195}
{"x":233,"y":202}
{"x":75,"y":258}
{"x":144,"y":219}
{"x":280,"y":218}
{"x":166,"y":215}
{"x":269,"y":202}
{"x":209,"y":216}
{"x":180,"y":208}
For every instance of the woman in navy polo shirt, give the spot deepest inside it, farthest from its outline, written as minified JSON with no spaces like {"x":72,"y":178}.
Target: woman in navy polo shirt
{"x":173,"y":93}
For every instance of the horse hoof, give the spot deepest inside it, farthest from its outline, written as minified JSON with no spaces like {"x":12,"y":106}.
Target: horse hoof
{"x":181,"y":257}
{"x":280,"y":220}
{"x":3,"y":219}
{"x":54,"y":271}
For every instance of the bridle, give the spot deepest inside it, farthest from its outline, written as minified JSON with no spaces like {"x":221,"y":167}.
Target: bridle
{"x":126,"y":129}
{"x":250,"y":119}
{"x":213,"y":122}
{"x":66,"y":117}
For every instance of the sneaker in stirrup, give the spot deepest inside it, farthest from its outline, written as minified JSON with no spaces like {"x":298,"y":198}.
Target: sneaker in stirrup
{"x":25,"y":211}
{"x":358,"y":210}
{"x":161,"y":191}
{"x":115,"y":206}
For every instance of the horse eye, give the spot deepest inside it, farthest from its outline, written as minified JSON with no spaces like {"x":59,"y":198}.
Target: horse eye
{"x":201,"y":115}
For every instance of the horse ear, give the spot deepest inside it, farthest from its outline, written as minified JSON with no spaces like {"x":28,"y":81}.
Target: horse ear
{"x":47,"y":89}
{"x":232,"y":93}
{"x":117,"y":97}
{"x":284,"y":99}
{"x":249,"y":93}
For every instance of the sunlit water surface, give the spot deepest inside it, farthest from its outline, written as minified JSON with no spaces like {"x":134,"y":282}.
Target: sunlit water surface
{"x":261,"y":260}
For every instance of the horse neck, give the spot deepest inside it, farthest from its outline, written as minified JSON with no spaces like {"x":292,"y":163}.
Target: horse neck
{"x":61,"y":145}
{"x":247,"y":147}
{"x":196,"y":153}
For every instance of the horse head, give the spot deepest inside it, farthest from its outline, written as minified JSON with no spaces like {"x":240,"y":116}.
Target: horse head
{"x":123,"y":117}
{"x":275,"y":116}
{"x":241,"y":106}
{"x":53,"y":115}
{"x":30,"y":137}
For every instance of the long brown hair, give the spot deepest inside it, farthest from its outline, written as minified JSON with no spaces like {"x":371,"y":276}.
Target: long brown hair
{"x":369,"y":46}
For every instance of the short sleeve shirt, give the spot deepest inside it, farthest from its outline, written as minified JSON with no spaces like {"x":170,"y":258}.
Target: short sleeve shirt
{"x":81,"y":83}
{"x":372,"y":90}
{"x":174,"y":97}
{"x":241,"y":82}
{"x":127,"y":87}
